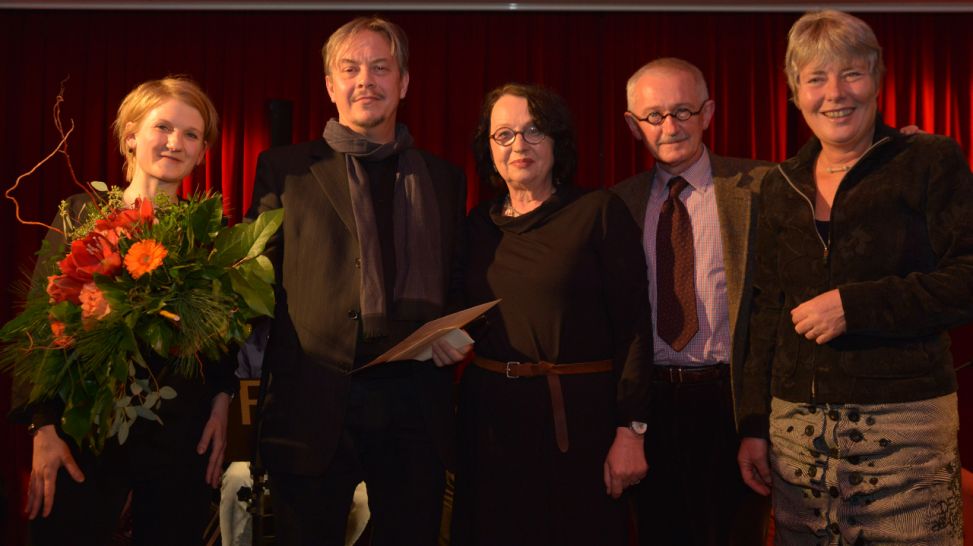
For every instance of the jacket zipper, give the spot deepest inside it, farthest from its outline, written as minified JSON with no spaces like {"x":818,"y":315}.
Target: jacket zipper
{"x":826,"y":245}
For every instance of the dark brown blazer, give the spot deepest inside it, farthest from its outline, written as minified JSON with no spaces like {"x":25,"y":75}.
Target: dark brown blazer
{"x":737,"y":185}
{"x":313,"y":336}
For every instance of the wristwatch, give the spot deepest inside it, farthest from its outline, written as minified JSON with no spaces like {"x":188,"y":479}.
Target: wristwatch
{"x":638,"y":427}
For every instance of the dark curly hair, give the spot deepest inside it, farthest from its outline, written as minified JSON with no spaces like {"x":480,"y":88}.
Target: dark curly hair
{"x":551,"y":116}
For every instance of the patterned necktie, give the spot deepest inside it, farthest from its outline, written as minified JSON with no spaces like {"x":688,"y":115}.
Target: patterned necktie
{"x":675,"y":258}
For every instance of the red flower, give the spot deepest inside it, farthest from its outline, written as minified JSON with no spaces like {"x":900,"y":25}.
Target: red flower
{"x":64,"y":288}
{"x":127,"y":222}
{"x":94,"y":254}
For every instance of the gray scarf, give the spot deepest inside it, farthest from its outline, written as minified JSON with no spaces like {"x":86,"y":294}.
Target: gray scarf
{"x":419,"y":279}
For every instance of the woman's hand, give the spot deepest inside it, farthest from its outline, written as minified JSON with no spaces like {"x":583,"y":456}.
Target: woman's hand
{"x":754,"y":464}
{"x":821,"y":318}
{"x":50,"y":454}
{"x":214,"y":438}
{"x":444,"y":354}
{"x":625,"y":465}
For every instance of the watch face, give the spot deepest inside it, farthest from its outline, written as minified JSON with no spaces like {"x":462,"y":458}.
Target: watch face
{"x":638,"y":427}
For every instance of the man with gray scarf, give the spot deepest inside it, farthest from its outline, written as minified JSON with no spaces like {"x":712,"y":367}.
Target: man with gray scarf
{"x":367,"y":253}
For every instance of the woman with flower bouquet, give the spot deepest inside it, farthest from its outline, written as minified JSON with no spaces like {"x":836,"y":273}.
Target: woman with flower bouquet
{"x":121,"y":356}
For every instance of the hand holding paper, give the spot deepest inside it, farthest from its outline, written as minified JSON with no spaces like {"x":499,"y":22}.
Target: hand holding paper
{"x":443,"y":336}
{"x":449,"y":349}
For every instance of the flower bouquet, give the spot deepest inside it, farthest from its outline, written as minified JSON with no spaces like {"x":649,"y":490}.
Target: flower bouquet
{"x":168,"y":279}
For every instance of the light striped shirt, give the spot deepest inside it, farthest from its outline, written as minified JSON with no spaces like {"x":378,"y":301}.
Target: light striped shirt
{"x":712,"y":342}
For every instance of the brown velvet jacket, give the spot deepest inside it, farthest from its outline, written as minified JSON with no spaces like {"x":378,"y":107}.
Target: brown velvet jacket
{"x":900,"y":253}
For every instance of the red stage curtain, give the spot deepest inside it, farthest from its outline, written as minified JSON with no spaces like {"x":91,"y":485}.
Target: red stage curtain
{"x":245,"y":59}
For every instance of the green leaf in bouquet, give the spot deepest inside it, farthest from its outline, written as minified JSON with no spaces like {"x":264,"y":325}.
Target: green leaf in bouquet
{"x":167,"y":393}
{"x":151,"y":399}
{"x":123,"y":431}
{"x":204,"y":218}
{"x":257,"y":294}
{"x":76,"y":421}
{"x":261,"y":267}
{"x":115,"y":293}
{"x":146,"y":413}
{"x":65,"y":311}
{"x":246,"y":240}
{"x":239,"y":329}
{"x":48,"y":377}
{"x":103,"y":408}
{"x":98,"y":185}
{"x":120,"y":367}
{"x":117,"y":420}
{"x":129,"y":347}
{"x":157,"y":333}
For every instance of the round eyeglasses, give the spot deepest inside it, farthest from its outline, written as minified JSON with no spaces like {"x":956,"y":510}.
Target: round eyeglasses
{"x":681,"y":114}
{"x":506,"y":136}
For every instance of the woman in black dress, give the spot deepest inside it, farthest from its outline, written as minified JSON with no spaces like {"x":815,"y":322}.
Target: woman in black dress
{"x":552,"y":409}
{"x":75,"y":496}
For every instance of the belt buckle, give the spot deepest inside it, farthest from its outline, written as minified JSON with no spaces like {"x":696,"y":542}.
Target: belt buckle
{"x":507,"y":370}
{"x":675,"y":374}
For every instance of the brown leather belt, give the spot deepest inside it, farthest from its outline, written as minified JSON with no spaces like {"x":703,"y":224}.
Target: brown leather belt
{"x":517,"y":370}
{"x":689,"y":374}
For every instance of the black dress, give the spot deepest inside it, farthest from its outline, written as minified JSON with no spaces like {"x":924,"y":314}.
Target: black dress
{"x":571,"y":275}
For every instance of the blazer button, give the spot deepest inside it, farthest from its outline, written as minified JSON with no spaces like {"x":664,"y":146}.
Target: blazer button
{"x":353,"y":314}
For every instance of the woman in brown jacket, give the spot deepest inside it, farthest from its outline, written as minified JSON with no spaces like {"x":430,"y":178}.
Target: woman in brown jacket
{"x":864,"y":261}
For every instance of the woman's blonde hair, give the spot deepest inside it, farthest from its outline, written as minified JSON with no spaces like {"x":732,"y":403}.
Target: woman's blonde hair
{"x":148,"y":95}
{"x":830,"y":35}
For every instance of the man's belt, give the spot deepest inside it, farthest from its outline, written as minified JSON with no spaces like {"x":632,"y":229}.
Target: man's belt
{"x":689,"y":374}
{"x":517,"y":370}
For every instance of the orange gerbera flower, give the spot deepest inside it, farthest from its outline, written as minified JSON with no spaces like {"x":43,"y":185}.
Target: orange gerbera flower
{"x":143,"y":257}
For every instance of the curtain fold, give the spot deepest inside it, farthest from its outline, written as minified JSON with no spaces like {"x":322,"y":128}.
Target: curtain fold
{"x":243,"y":60}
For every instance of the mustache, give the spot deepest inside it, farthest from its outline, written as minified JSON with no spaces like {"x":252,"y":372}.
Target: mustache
{"x":674,"y":139}
{"x":369,"y":94}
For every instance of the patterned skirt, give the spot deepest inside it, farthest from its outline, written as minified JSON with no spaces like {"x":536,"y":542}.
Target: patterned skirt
{"x":871,"y":474}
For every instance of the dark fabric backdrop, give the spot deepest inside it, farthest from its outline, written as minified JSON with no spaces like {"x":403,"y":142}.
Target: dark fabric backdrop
{"x":245,"y":59}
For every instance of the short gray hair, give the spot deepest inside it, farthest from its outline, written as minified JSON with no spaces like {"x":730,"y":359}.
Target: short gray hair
{"x":667,"y":63}
{"x":830,"y":35}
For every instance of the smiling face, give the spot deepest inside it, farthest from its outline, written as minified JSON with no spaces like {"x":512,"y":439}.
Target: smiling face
{"x":839,"y":101}
{"x":366,"y":85}
{"x":168,"y":142}
{"x":675,"y":144}
{"x":522,"y":165}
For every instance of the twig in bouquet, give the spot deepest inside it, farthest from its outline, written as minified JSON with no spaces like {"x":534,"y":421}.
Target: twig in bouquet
{"x":62,"y":147}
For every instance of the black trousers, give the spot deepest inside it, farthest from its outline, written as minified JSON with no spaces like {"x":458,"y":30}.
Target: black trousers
{"x":170,"y":499}
{"x":693,"y":494}
{"x":386,"y":443}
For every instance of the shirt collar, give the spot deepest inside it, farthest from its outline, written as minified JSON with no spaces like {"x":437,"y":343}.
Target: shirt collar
{"x":699,"y":175}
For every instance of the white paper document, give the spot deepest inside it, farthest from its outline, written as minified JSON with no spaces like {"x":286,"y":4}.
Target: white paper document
{"x":418,"y":346}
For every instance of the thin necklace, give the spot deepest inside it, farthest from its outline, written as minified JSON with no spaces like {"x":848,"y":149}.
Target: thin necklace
{"x":843,"y":168}
{"x":508,"y":208}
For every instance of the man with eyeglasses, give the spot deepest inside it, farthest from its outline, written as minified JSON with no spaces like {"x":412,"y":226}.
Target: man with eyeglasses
{"x":373,"y":234}
{"x":698,"y":215}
